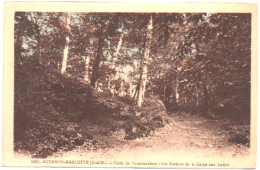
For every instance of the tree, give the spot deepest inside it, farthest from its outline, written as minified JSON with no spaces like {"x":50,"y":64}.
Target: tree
{"x":103,"y":30}
{"x":143,"y":68}
{"x":186,"y":59}
{"x":67,"y":39}
{"x":19,"y":39}
{"x":20,"y":116}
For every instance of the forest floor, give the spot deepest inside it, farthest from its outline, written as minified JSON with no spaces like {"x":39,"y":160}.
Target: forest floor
{"x":184,"y":135}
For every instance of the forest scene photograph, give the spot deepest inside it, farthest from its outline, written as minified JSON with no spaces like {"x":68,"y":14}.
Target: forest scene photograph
{"x":102,"y":84}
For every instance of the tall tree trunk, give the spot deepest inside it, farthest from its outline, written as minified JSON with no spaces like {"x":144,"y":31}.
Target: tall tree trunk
{"x":115,"y":55}
{"x":197,"y":94}
{"x":40,"y":50}
{"x":38,"y":38}
{"x":18,"y":43}
{"x":177,"y":89}
{"x":143,"y":69}
{"x":121,"y":91}
{"x":197,"y":97}
{"x":205,"y":90}
{"x":66,"y":48}
{"x":90,"y":50}
{"x":130,"y":88}
{"x":97,"y":60}
{"x":119,"y":45}
{"x":86,"y":74}
{"x":20,"y":116}
{"x":172,"y":98}
{"x":109,"y":83}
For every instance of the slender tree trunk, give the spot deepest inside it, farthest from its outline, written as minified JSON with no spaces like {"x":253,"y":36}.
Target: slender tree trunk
{"x":205,"y":90}
{"x":20,"y":116}
{"x":121,"y":88}
{"x":86,"y":74}
{"x":38,"y":37}
{"x":115,"y":55}
{"x":119,"y":45}
{"x":90,"y":48}
{"x":143,"y":74}
{"x":40,"y":50}
{"x":113,"y":90}
{"x":130,"y":89}
{"x":177,"y":89}
{"x":197,"y":98}
{"x":18,"y":43}
{"x":144,"y":77}
{"x":66,"y":48}
{"x":136,"y":90}
{"x":173,"y":95}
{"x":197,"y":94}
{"x":109,"y":83}
{"x":97,"y":60}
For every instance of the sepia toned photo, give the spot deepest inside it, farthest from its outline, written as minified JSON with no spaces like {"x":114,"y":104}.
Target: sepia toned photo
{"x":130,"y":88}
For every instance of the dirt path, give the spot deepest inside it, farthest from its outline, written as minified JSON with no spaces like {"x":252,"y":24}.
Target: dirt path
{"x":185,"y":136}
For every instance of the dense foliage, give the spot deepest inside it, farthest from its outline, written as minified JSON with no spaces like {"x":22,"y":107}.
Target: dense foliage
{"x":71,"y":67}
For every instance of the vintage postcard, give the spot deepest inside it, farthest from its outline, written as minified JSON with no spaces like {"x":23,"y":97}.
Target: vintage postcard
{"x":140,"y":85}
